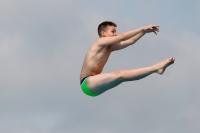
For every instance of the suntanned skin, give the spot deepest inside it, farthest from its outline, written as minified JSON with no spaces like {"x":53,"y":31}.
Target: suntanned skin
{"x":100,"y":51}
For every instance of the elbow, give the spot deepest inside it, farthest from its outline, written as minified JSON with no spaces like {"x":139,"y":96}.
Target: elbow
{"x":133,"y":41}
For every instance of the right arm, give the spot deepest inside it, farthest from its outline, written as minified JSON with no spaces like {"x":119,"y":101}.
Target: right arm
{"x":105,"y":41}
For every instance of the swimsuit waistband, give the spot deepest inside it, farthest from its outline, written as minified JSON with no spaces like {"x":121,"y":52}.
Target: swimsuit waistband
{"x":84,"y":79}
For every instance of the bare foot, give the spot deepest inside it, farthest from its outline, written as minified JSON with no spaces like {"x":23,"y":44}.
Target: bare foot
{"x":161,"y":66}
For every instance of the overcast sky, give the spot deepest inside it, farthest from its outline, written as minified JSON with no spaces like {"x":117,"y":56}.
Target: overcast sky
{"x":42,"y":47}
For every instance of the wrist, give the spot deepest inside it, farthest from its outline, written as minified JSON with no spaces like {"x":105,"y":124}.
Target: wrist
{"x":143,"y":29}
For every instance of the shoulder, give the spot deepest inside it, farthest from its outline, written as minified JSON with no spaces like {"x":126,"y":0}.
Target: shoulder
{"x":102,"y":41}
{"x":97,"y":42}
{"x":96,"y":45}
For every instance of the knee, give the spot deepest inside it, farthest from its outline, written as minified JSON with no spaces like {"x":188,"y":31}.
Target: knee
{"x":119,"y":74}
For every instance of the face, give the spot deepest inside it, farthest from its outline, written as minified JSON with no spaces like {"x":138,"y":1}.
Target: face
{"x":110,"y":31}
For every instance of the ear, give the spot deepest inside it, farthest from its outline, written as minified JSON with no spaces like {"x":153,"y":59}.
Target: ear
{"x":103,"y":33}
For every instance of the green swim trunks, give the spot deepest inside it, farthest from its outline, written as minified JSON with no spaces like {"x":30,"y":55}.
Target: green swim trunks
{"x":85,"y":89}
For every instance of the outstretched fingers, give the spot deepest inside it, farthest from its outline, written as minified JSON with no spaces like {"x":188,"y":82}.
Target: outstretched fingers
{"x":155,"y":29}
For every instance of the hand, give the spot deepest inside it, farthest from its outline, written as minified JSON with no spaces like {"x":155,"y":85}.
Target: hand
{"x":151,"y":28}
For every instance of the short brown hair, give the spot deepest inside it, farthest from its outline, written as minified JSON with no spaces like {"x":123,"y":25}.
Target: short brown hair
{"x":103,"y":26}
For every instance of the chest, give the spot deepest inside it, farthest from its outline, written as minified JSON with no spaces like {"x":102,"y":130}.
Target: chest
{"x":105,"y":52}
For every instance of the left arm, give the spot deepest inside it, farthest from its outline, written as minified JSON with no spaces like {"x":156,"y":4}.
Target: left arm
{"x":128,"y":42}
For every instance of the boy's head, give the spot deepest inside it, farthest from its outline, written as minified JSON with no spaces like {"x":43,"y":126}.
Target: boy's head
{"x":107,"y":29}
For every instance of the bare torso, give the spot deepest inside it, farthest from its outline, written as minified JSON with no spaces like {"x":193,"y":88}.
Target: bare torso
{"x":95,"y":60}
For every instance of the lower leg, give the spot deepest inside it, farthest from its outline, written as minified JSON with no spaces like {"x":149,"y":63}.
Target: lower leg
{"x":136,"y":74}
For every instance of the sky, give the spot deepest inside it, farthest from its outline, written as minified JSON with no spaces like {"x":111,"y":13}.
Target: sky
{"x":42,"y":47}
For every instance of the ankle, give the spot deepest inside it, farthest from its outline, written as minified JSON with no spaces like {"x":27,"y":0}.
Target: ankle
{"x":154,"y":69}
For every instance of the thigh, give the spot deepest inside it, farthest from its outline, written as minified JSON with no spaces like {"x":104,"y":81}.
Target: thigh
{"x":103,"y":82}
